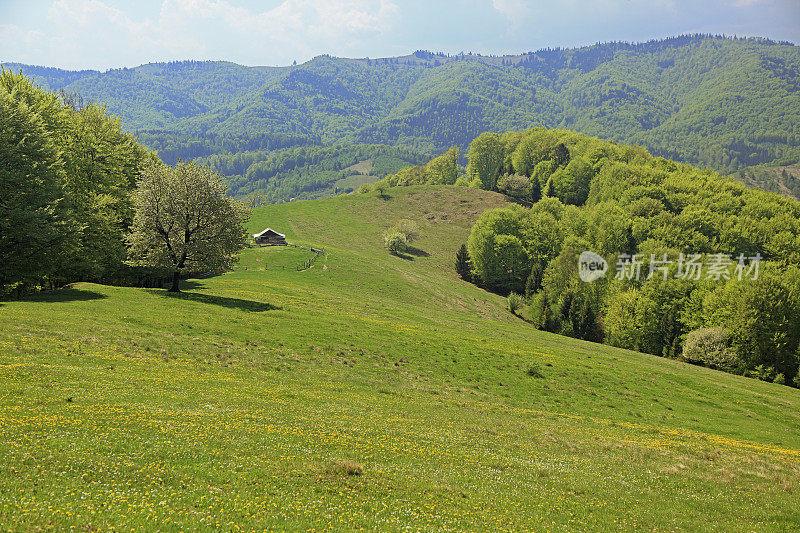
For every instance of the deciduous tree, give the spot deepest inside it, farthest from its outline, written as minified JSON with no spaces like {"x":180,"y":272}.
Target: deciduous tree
{"x":184,"y":221}
{"x":443,"y":170}
{"x":485,"y":160}
{"x":33,"y":219}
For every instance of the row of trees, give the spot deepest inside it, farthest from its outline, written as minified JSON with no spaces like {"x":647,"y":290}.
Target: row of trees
{"x":621,"y":202}
{"x":441,"y":170}
{"x":80,"y":200}
{"x":65,"y":191}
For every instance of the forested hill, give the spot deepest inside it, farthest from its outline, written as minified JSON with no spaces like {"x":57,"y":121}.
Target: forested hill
{"x":719,"y":102}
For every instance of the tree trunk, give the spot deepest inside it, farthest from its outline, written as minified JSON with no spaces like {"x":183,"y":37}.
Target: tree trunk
{"x":176,"y":281}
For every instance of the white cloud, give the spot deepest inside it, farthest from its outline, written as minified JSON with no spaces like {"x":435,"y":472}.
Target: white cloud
{"x":512,"y":9}
{"x":584,"y":7}
{"x":93,"y":33}
{"x":516,"y":11}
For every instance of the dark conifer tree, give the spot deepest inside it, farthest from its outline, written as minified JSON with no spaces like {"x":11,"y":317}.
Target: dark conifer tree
{"x":536,"y":190}
{"x":549,"y":189}
{"x":534,"y":282}
{"x":560,"y":155}
{"x":463,"y":263}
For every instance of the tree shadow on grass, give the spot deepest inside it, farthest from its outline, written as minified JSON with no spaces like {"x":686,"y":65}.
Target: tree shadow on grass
{"x":67,"y":294}
{"x":402,"y":255}
{"x":190,"y":284}
{"x":222,"y":301}
{"x":411,"y":253}
{"x":416,"y":252}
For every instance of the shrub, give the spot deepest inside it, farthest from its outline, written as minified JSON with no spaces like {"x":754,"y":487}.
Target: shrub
{"x":396,"y":242}
{"x":407,"y":228}
{"x":380,"y":188}
{"x":365,"y":188}
{"x":514,"y":302}
{"x":710,"y":346}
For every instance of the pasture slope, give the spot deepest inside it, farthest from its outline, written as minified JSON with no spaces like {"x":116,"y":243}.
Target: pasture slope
{"x":368,"y":392}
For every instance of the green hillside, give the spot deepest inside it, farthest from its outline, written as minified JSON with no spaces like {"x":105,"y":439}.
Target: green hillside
{"x":718,"y":102}
{"x":644,"y":215}
{"x":782,"y":179}
{"x":371,"y":391}
{"x":307,"y":171}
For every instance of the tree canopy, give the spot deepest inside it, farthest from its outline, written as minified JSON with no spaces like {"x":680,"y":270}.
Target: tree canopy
{"x":184,"y":221}
{"x":68,"y":171}
{"x":651,"y":219}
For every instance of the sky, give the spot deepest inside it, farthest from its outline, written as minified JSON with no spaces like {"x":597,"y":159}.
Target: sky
{"x":103,"y":34}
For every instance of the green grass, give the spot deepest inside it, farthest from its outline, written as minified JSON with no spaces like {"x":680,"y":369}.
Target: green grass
{"x":362,"y":167}
{"x":273,"y":257}
{"x":355,"y":181}
{"x":369,"y":391}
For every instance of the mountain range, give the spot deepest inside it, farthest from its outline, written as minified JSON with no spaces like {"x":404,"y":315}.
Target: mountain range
{"x":719,"y":102}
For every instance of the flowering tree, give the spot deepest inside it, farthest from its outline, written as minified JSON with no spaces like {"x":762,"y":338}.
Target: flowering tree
{"x":184,"y":221}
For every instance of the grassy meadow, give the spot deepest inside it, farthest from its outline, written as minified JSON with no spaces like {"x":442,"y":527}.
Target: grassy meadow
{"x":368,"y":392}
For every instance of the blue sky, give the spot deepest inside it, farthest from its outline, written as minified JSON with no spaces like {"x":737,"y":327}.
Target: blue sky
{"x":104,"y":34}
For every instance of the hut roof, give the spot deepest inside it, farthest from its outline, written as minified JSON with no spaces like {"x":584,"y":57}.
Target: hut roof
{"x":266,"y":232}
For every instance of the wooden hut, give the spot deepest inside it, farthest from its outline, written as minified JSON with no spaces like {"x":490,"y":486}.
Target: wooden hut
{"x":270,"y":237}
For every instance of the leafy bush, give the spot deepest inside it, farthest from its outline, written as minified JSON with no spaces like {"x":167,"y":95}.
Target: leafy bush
{"x":380,"y":188}
{"x":407,"y":228}
{"x":396,"y":242}
{"x":535,"y":371}
{"x":710,"y":346}
{"x":514,"y":302}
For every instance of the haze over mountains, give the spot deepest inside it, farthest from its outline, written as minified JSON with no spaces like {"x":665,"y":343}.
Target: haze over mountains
{"x":718,"y":102}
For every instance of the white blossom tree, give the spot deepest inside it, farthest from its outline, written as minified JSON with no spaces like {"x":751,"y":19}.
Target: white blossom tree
{"x":184,"y":221}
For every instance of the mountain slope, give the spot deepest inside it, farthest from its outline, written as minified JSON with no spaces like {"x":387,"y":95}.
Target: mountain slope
{"x":327,"y":98}
{"x":783,"y":179}
{"x":370,"y":391}
{"x":156,"y":95}
{"x":718,"y":102}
